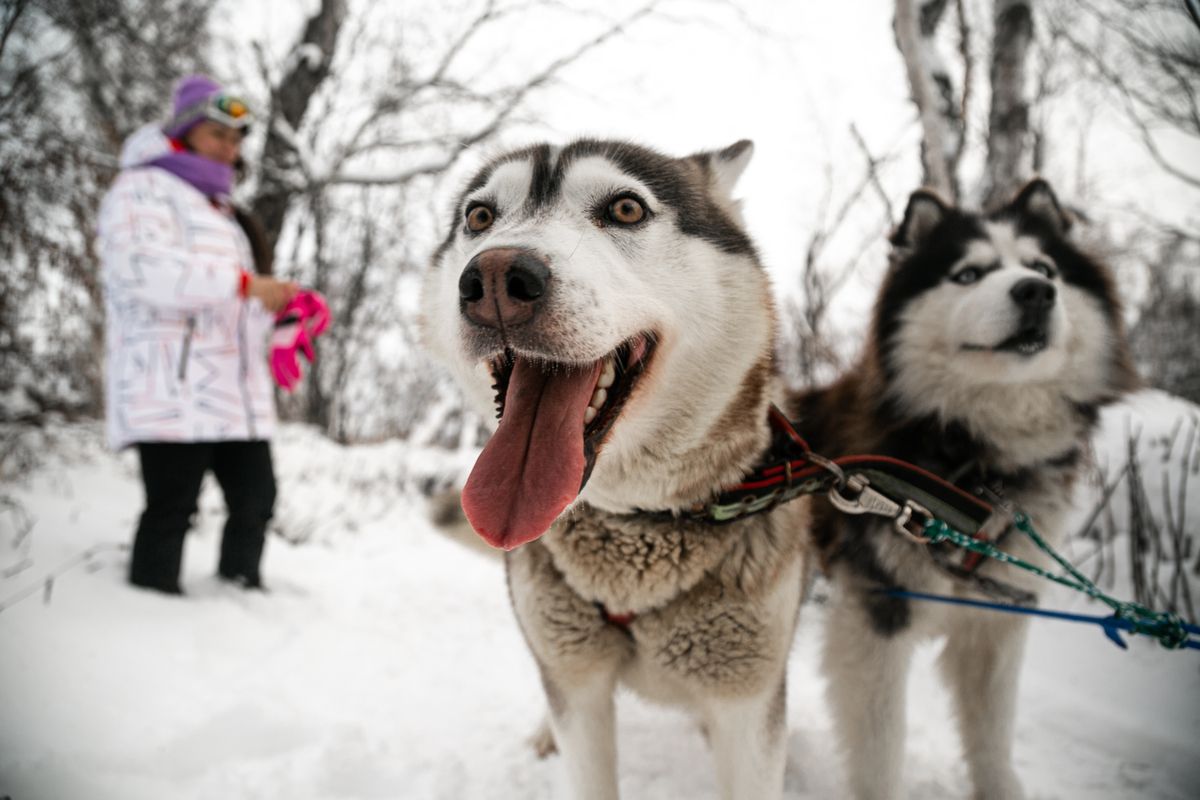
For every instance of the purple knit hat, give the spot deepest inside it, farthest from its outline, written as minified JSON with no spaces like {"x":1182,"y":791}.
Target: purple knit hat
{"x":188,"y":104}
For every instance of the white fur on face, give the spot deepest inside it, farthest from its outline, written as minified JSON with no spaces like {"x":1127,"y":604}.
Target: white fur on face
{"x":709,"y":311}
{"x":1009,"y":398}
{"x":959,"y":324}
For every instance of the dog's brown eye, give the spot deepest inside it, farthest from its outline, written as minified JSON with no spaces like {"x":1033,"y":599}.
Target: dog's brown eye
{"x":479,"y":218}
{"x":626,"y":211}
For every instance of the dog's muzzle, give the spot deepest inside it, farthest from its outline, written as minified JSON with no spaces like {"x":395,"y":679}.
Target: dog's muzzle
{"x":502,"y":288}
{"x":1035,"y":298}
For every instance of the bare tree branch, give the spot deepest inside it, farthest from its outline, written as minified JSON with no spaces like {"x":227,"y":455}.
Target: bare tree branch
{"x":12,"y":13}
{"x":873,"y":174}
{"x":512,"y":100}
{"x":1153,"y":73}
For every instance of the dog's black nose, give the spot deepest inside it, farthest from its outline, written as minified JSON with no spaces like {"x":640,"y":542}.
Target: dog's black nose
{"x":502,"y":287}
{"x":1033,"y":294}
{"x":470,"y":285}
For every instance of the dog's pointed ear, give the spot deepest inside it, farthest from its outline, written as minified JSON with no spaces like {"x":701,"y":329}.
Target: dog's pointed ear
{"x":925,"y":211}
{"x":1036,"y":201}
{"x":725,"y":166}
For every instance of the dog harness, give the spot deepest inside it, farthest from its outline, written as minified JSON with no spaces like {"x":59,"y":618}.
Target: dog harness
{"x":873,"y":485}
{"x":858,"y":484}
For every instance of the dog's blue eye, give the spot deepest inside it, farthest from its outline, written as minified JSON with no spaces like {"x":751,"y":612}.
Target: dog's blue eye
{"x":1043,"y":268}
{"x":968,"y":275}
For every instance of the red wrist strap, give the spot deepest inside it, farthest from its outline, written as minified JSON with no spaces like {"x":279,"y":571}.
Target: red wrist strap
{"x":244,"y":284}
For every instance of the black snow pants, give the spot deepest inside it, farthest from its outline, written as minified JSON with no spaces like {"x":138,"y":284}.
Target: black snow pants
{"x":172,"y":473}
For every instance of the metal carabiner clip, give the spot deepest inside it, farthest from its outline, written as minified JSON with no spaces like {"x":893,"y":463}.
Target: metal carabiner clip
{"x":906,"y":521}
{"x":865,"y":500}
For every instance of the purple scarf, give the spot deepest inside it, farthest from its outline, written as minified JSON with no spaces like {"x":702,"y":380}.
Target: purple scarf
{"x":212,"y":178}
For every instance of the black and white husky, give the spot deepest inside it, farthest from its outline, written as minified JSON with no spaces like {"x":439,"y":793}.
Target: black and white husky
{"x":606,"y":301}
{"x":994,"y":343}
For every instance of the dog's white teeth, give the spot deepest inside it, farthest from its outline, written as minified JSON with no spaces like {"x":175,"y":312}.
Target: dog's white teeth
{"x":599,"y":398}
{"x":607,"y":375}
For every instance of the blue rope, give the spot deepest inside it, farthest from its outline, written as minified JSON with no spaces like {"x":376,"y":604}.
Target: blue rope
{"x":1112,"y":624}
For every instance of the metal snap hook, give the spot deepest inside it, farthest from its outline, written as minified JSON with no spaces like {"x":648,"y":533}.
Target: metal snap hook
{"x":865,"y":500}
{"x":906,"y":522}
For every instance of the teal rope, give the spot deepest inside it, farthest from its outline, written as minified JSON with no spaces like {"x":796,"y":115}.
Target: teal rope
{"x":1169,"y":629}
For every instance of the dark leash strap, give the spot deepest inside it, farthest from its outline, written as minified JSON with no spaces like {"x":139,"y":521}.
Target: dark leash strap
{"x":857,"y":484}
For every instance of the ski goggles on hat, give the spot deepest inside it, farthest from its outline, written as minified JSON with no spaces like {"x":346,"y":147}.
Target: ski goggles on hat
{"x":223,"y":108}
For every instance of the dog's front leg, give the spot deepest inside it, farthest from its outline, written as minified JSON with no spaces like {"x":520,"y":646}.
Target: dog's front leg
{"x":867,"y":671}
{"x":583,"y":718}
{"x":748,"y":736}
{"x":981,"y":664}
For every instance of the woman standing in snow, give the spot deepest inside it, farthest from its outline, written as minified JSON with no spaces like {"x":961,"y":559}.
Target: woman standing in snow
{"x":190,"y":303}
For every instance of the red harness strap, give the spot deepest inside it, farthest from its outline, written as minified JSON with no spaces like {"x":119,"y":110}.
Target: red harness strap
{"x":790,"y":468}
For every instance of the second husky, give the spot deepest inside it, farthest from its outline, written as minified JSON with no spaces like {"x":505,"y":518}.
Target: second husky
{"x":994,"y":343}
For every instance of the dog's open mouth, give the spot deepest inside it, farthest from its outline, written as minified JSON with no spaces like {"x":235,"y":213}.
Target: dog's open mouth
{"x":1026,"y":342}
{"x":554,"y":419}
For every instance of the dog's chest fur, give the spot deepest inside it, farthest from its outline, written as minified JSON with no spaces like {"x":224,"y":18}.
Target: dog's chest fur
{"x":714,"y":605}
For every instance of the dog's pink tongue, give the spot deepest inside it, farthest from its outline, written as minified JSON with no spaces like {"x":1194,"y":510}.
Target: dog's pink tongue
{"x":532,"y":467}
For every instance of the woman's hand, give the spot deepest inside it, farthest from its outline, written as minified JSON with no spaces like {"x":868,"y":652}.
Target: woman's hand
{"x":273,"y":294}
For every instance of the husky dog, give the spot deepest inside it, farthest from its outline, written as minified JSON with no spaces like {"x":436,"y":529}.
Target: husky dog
{"x":607,"y":300}
{"x":994,"y":343}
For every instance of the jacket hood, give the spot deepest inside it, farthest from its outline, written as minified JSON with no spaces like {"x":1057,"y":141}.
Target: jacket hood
{"x":144,"y":145}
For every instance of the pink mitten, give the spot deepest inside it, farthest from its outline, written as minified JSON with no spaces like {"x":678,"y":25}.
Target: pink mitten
{"x":302,"y":320}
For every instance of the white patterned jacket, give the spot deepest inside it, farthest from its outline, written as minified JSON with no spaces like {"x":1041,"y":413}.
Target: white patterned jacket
{"x":187,"y":357}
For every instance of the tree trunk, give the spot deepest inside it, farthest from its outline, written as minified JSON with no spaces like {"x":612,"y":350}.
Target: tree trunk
{"x":289,"y":101}
{"x":932,"y":92}
{"x":1008,"y":137}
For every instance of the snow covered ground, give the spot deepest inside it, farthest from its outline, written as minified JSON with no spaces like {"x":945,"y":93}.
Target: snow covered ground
{"x":385,"y":662}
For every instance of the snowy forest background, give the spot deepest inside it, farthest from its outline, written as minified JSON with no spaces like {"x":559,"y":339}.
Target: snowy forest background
{"x":369,"y":117}
{"x":370,"y":114}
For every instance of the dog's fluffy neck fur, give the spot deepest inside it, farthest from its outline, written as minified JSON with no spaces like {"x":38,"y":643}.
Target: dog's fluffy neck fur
{"x":1007,"y":427}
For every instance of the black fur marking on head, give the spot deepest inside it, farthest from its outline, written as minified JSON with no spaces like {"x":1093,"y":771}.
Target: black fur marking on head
{"x":544,"y":183}
{"x":923,"y":269}
{"x":681,"y":184}
{"x":674,"y":185}
{"x":924,"y":212}
{"x":1037,"y":201}
{"x":478,"y":181}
